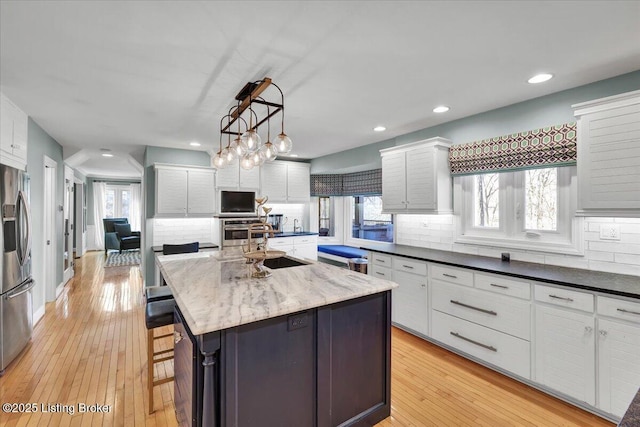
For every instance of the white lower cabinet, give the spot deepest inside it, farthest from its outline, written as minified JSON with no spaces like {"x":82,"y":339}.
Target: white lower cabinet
{"x":297,"y":246}
{"x":618,"y":354}
{"x":565,"y":352}
{"x":409,"y":301}
{"x":502,"y":350}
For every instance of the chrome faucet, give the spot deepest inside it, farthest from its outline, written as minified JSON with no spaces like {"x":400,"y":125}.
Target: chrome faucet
{"x":295,"y":226}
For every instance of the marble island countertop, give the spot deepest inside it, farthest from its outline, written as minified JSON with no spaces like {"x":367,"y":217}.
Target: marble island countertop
{"x":214,"y":289}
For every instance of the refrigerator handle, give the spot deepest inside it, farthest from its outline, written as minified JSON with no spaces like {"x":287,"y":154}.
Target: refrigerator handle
{"x":31,"y":286}
{"x":23,"y":200}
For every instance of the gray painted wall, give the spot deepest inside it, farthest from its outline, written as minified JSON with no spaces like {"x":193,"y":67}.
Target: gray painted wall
{"x":154,"y":155}
{"x":40,"y":144}
{"x":539,"y":112}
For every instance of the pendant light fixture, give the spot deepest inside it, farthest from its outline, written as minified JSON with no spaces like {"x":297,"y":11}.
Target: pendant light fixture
{"x":247,"y":146}
{"x":268,"y":150}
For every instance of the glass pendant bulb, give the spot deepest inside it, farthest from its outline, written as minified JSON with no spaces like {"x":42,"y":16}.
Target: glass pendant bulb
{"x":246,"y":162}
{"x":269,"y":151}
{"x":229,"y":155}
{"x":219,"y":161}
{"x":239,"y":146}
{"x":252,"y":140}
{"x":258,"y":158}
{"x":283,"y":143}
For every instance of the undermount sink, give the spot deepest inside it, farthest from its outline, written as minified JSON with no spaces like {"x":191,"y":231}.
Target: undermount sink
{"x":282,"y":262}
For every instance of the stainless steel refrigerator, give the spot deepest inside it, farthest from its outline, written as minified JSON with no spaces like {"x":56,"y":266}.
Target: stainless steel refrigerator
{"x":16,"y":300}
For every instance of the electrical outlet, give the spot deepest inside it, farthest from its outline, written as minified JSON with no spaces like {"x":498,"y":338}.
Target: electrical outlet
{"x":425,"y":224}
{"x":610,"y":232}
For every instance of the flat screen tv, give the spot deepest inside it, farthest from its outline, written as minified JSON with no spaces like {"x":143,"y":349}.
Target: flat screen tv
{"x":237,"y":202}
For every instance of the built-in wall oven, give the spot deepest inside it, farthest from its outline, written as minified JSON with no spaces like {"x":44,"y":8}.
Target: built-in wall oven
{"x":235,"y":231}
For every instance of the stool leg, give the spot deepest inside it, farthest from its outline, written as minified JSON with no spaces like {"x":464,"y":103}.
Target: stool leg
{"x":150,"y":368}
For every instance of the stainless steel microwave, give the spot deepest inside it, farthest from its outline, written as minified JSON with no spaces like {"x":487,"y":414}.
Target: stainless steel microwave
{"x":238,"y":203}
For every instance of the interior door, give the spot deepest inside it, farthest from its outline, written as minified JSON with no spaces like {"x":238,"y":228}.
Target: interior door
{"x":67,"y":225}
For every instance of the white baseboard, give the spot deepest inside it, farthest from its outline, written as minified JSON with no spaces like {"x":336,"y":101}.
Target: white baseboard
{"x":38,"y":314}
{"x":59,"y":289}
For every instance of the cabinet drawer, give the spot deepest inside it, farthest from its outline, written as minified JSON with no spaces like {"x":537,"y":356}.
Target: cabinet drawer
{"x":281,"y":242}
{"x":380,"y":259}
{"x":565,"y":298}
{"x":499,"y":349}
{"x":618,"y":308}
{"x":381,"y":272}
{"x":300,"y":240}
{"x":451,"y":274}
{"x":410,"y":266}
{"x":503,"y":285}
{"x":505,"y":314}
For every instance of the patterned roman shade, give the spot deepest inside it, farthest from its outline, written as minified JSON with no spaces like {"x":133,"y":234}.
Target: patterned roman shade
{"x":348,"y":184}
{"x":545,"y":147}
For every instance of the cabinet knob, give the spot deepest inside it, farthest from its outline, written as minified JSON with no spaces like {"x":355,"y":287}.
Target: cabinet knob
{"x":423,"y":285}
{"x":603,"y":332}
{"x":588,"y":329}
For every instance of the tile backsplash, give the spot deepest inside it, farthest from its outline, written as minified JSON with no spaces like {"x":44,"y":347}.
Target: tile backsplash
{"x":617,"y":256}
{"x":291,"y":211}
{"x":182,"y":230}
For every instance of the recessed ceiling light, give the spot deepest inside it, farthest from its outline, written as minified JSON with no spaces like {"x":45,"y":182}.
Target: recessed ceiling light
{"x":379,"y":129}
{"x":194,"y":144}
{"x":539,"y":78}
{"x":107,"y":155}
{"x":441,"y":109}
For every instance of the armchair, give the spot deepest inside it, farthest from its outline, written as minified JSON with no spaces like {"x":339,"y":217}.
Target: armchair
{"x":118,"y":235}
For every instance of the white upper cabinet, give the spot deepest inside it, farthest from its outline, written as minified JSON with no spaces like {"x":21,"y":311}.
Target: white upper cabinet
{"x":233,"y":177}
{"x":416,"y":177}
{"x":184,"y":191}
{"x":13,"y":134}
{"x":608,"y":156}
{"x":286,"y":182}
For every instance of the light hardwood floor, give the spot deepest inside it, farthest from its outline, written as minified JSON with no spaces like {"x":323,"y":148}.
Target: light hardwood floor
{"x":90,"y":348}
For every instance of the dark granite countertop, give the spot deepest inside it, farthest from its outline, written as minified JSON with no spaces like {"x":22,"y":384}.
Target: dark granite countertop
{"x":611,"y":283}
{"x":201,"y":245}
{"x":631,"y":418}
{"x":292,"y":234}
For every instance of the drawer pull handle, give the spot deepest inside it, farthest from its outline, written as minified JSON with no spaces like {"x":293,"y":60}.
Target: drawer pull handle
{"x":493,"y":313}
{"x":449,"y":275}
{"x":499,"y":286}
{"x":488,"y":347}
{"x":407,"y":266}
{"x":562,"y":298}
{"x":380,"y":274}
{"x":380,"y":260}
{"x":622,"y":310}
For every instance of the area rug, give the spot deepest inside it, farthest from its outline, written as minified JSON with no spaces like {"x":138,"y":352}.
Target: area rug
{"x":115,"y":259}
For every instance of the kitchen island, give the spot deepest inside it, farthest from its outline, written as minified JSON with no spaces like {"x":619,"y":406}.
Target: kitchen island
{"x":308,"y":346}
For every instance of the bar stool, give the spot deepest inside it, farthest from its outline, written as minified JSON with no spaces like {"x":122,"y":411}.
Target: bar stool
{"x":157,"y":314}
{"x":157,"y":293}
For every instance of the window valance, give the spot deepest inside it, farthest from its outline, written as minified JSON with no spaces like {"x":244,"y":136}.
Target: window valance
{"x":545,"y":147}
{"x":348,"y":184}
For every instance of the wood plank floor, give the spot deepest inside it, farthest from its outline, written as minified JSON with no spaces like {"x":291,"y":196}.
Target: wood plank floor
{"x":90,"y":348}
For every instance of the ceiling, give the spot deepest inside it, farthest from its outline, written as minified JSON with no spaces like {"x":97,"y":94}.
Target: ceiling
{"x":123,"y":75}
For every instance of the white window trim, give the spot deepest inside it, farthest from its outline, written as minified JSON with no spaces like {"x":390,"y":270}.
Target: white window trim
{"x":346,"y":221}
{"x":567,"y":240}
{"x":337,"y":206}
{"x":117,"y":201}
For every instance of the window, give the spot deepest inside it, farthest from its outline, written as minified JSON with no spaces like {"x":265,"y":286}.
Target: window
{"x":530,"y":209}
{"x":487,"y":200}
{"x":325,"y":222}
{"x":367,"y":220}
{"x":117,"y":201}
